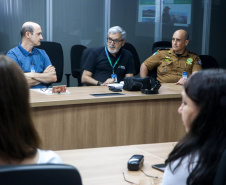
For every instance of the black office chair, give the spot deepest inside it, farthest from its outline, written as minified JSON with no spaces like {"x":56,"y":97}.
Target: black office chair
{"x":76,"y":56}
{"x":136,"y":58}
{"x":155,"y":47}
{"x":161,"y":45}
{"x":55,"y":52}
{"x":220,"y":177}
{"x":39,"y":174}
{"x":85,"y":54}
{"x":208,"y":62}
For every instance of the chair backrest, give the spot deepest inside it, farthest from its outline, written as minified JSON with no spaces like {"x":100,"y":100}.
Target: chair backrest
{"x":76,"y":56}
{"x":155,"y":47}
{"x":39,"y":174}
{"x":220,"y":177}
{"x":55,"y":52}
{"x":208,"y":62}
{"x":136,"y":58}
{"x":85,"y":54}
{"x":161,"y":45}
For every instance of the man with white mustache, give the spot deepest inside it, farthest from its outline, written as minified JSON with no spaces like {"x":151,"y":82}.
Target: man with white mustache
{"x":109,"y":64}
{"x":174,"y":65}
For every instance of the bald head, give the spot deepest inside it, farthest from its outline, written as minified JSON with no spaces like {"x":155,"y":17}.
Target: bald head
{"x":28,"y":27}
{"x":180,"y":41}
{"x":183,"y":34}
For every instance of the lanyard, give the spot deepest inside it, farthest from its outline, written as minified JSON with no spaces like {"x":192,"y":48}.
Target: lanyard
{"x":110,"y":59}
{"x":185,"y":66}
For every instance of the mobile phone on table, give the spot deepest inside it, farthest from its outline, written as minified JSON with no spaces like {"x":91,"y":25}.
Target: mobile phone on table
{"x":160,"y":167}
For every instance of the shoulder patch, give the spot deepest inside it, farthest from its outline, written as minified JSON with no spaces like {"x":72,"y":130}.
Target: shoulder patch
{"x":154,"y":53}
{"x":199,"y":61}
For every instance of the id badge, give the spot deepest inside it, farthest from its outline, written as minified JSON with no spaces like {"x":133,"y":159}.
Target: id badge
{"x":114,"y":76}
{"x":184,"y":75}
{"x":32,"y":68}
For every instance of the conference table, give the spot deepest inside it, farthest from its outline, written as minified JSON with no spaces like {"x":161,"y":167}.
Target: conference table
{"x":101,"y":166}
{"x":89,"y":117}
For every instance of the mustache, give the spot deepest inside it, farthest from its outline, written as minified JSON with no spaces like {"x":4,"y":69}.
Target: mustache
{"x":112,"y":46}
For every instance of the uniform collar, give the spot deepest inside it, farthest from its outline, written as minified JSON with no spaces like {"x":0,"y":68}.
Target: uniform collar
{"x":25,"y":52}
{"x":184,"y":54}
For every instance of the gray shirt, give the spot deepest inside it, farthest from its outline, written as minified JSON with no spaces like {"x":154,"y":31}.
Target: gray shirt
{"x":180,"y":175}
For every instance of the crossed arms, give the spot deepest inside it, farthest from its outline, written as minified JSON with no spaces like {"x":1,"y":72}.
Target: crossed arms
{"x":48,"y":76}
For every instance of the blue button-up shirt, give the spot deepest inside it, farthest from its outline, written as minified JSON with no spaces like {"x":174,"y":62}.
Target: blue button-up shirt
{"x":37,"y":58}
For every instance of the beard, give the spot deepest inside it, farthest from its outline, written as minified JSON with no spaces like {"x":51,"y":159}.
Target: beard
{"x":112,"y":49}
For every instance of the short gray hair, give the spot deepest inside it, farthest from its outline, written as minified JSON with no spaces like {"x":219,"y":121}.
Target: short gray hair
{"x":26,"y":28}
{"x":118,"y":29}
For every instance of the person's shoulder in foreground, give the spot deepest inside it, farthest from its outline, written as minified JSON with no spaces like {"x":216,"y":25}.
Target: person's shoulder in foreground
{"x":48,"y":156}
{"x":19,"y":139}
{"x":195,"y":158}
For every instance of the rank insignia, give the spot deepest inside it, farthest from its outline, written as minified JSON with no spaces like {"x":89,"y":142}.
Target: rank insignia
{"x":154,"y":53}
{"x":199,"y":61}
{"x":189,"y":61}
{"x":167,"y":57}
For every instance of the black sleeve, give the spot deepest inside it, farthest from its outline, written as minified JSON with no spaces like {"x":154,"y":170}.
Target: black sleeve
{"x":90,"y":63}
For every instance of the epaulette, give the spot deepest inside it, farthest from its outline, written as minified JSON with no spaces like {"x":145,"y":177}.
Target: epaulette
{"x":192,"y":52}
{"x":163,"y":49}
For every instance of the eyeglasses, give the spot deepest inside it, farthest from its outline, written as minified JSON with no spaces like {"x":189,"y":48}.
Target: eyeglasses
{"x":116,"y":41}
{"x":153,"y":177}
{"x":126,"y":179}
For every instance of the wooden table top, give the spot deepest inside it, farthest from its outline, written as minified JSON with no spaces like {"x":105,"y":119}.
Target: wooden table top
{"x":101,"y":166}
{"x":82,"y":95}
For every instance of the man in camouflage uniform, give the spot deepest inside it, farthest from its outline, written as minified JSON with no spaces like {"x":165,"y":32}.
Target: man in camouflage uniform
{"x":173,"y":65}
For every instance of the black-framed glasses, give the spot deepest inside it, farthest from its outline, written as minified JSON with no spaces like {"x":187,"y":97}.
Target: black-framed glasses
{"x":115,"y":41}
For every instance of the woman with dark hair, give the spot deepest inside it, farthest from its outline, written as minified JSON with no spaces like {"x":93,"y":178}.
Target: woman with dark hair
{"x":19,"y":140}
{"x":195,"y":158}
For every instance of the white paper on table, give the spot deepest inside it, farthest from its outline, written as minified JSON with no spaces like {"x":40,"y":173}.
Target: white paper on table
{"x":48,"y":91}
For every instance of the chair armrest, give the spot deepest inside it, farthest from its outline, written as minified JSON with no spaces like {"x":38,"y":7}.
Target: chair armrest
{"x":68,"y":79}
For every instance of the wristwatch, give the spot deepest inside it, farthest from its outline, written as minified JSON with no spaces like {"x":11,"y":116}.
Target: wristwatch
{"x":99,"y":83}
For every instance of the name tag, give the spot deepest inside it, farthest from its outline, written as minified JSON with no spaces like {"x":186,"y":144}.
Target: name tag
{"x":114,"y":77}
{"x":32,"y":68}
{"x":184,"y":75}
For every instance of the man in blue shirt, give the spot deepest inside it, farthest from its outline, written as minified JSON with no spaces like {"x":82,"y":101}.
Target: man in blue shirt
{"x":34,"y":62}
